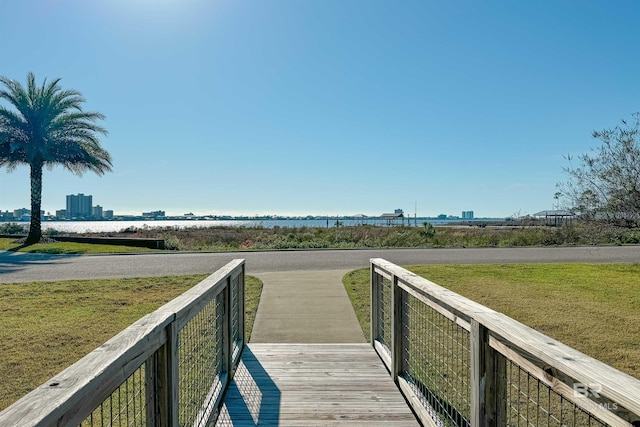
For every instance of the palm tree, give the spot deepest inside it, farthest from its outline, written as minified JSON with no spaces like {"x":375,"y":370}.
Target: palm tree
{"x":48,"y":127}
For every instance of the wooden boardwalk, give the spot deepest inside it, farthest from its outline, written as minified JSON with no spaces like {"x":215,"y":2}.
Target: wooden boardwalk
{"x":313,"y":385}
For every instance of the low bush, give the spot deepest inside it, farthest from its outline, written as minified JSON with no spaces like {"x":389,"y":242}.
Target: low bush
{"x":12,"y":228}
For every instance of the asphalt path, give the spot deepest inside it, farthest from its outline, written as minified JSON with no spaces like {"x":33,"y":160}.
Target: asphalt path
{"x":22,"y":267}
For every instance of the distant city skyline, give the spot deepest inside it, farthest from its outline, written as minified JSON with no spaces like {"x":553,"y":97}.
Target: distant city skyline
{"x":80,"y":206}
{"x":329,"y":107}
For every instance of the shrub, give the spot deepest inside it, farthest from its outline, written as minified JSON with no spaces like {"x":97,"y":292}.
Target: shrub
{"x":171,"y":242}
{"x":13,"y":228}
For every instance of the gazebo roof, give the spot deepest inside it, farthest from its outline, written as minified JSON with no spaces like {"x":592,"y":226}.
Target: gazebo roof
{"x":392,"y":215}
{"x":554,"y":213}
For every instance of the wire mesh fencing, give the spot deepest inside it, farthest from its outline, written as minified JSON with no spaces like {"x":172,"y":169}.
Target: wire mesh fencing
{"x":384,"y":310}
{"x":201,"y":362}
{"x":529,"y":402}
{"x":126,"y":406}
{"x":237,"y":314}
{"x":462,"y":364}
{"x":436,"y":361}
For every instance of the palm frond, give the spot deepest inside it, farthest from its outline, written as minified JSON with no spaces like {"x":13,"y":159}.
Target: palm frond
{"x":49,"y":126}
{"x":16,"y":95}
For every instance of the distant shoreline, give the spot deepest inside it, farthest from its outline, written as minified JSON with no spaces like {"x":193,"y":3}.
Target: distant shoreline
{"x":258,"y":218}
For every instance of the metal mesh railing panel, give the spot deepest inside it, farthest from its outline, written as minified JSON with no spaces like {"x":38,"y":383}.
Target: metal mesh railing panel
{"x":383,"y":334}
{"x":201,"y":361}
{"x":125,"y":407}
{"x":436,"y":361}
{"x":529,"y":402}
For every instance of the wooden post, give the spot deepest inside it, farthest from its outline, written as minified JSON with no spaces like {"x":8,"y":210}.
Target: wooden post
{"x":227,"y":345}
{"x":404,"y":332}
{"x":396,"y":328}
{"x":151,"y":389}
{"x":375,"y":283}
{"x":241,"y":313}
{"x":478,"y":373}
{"x":164,"y":365}
{"x":488,"y":380}
{"x":500,"y":367}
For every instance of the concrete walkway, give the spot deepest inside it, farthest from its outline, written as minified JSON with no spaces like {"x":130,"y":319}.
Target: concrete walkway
{"x":305,"y":307}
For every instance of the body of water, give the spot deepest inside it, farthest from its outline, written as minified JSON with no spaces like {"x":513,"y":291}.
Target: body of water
{"x":115,"y":226}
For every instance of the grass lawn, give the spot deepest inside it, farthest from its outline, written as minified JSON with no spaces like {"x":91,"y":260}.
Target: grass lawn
{"x":594,"y":308}
{"x":47,"y":326}
{"x":69,"y":248}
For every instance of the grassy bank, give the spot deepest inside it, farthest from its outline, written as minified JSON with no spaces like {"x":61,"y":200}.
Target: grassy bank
{"x":48,"y":326}
{"x":593,"y":308}
{"x":7,"y":244}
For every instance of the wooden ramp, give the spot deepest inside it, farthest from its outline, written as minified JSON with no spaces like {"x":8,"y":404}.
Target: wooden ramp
{"x":313,"y":385}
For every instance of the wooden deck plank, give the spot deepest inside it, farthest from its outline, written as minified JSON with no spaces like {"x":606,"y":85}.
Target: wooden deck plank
{"x":313,"y":385}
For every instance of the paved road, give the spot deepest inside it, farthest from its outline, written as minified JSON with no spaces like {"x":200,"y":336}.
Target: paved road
{"x":19,"y":267}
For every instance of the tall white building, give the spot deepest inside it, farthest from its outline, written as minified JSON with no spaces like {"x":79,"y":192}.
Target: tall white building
{"x":79,"y":206}
{"x":467,"y":214}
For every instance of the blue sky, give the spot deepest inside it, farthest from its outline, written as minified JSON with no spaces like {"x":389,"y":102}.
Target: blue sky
{"x":335,"y":107}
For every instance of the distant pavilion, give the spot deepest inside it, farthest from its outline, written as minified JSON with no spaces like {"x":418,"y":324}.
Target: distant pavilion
{"x":555,"y":217}
{"x":393,"y":218}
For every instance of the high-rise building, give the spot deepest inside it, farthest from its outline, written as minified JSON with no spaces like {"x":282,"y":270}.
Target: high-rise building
{"x":96,"y":212}
{"x":467,"y":214}
{"x":79,"y":206}
{"x":23,"y":212}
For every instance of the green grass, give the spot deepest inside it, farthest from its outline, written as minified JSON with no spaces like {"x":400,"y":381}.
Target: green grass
{"x":47,"y":326}
{"x":69,"y":248}
{"x":594,"y":308}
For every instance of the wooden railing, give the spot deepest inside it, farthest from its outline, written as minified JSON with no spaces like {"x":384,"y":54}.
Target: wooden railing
{"x":169,"y":368}
{"x":460,"y":363}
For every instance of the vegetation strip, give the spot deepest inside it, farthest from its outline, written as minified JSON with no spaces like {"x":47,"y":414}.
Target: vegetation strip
{"x":217,"y":239}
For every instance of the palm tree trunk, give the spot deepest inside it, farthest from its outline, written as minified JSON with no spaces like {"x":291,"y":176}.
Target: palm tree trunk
{"x":35,"y":228}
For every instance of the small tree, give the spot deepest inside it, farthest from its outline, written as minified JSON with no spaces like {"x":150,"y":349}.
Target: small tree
{"x":47,"y":127}
{"x":605,"y":185}
{"x":428,"y":230}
